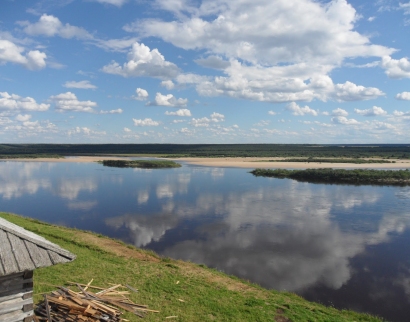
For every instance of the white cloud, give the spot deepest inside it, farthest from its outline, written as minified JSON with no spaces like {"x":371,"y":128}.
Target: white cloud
{"x":180,"y":112}
{"x":399,"y":113}
{"x":127,"y":130}
{"x":68,"y":102}
{"x":142,"y":94}
{"x":168,"y":84}
{"x":86,"y":131}
{"x":143,"y":62}
{"x":145,"y":122}
{"x":374,"y":111}
{"x":114,"y":44}
{"x":117,"y":3}
{"x":343,"y":120}
{"x":404,"y":96}
{"x":85,"y":84}
{"x":117,"y":111}
{"x":15,"y":102}
{"x":280,"y":51}
{"x":168,"y":100}
{"x":217,"y":117}
{"x":202,"y":122}
{"x":371,"y":19}
{"x":11,"y":53}
{"x":352,"y":92}
{"x":339,"y":112}
{"x":215,"y":62}
{"x":405,"y":7}
{"x":23,"y":118}
{"x":272,"y":113}
{"x":297,"y":110}
{"x":396,"y":68}
{"x":51,"y":26}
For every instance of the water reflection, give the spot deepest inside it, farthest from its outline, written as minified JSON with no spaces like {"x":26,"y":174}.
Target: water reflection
{"x":341,"y":244}
{"x":19,"y":179}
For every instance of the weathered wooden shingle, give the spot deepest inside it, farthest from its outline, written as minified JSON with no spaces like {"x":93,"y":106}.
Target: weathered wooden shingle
{"x":22,"y":250}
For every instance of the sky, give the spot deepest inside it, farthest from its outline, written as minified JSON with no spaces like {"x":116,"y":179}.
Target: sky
{"x":210,"y":71}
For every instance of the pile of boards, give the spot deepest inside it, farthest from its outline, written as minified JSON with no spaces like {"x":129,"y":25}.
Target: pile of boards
{"x":105,"y":305}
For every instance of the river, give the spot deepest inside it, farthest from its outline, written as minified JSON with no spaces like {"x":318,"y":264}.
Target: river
{"x":340,"y":245}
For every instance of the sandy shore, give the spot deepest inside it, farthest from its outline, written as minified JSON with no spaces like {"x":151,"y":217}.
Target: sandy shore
{"x":249,"y":163}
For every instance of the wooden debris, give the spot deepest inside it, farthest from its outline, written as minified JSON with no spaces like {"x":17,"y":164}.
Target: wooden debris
{"x":84,"y":305}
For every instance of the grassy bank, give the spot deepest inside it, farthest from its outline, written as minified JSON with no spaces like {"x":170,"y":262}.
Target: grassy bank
{"x":186,"y":290}
{"x":357,"y":176}
{"x":145,"y":164}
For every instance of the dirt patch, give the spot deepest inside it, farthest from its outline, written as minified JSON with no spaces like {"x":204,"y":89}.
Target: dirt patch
{"x":279,"y":317}
{"x":115,"y":247}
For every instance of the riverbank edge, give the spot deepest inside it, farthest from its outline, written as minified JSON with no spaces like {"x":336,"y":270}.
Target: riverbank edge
{"x":233,"y":162}
{"x":180,"y":289}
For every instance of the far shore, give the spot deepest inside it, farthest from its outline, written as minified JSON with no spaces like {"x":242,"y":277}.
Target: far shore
{"x":248,"y":163}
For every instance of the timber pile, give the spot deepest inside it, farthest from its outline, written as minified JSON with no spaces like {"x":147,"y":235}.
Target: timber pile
{"x":105,"y":305}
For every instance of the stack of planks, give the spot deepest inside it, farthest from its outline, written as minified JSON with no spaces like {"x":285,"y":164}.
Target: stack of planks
{"x":65,"y":304}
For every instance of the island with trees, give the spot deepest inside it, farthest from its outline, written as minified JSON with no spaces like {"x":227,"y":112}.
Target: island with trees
{"x":145,"y":164}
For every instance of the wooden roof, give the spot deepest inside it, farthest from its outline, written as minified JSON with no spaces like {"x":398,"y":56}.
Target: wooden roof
{"x":22,"y":250}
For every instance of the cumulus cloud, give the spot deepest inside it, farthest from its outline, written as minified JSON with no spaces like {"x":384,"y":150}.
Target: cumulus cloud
{"x":201,"y":122}
{"x":297,"y":110}
{"x":168,"y":84}
{"x":339,"y":112}
{"x":352,"y":92}
{"x":278,"y":51}
{"x":404,"y":96}
{"x":11,"y":53}
{"x":117,"y":3}
{"x":51,"y":26}
{"x":127,"y":130}
{"x":374,"y":111}
{"x":205,"y":121}
{"x":85,"y":84}
{"x":344,"y":120}
{"x":272,"y":113}
{"x":180,"y":112}
{"x":396,"y":68}
{"x":117,"y":111}
{"x":16,"y":102}
{"x":66,"y":102}
{"x":215,"y":62}
{"x":23,"y":118}
{"x":145,"y":122}
{"x":217,"y":117}
{"x":168,"y":100}
{"x":142,"y":94}
{"x":142,"y":61}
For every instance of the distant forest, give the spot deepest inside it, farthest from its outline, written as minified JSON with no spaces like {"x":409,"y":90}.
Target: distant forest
{"x":386,"y":151}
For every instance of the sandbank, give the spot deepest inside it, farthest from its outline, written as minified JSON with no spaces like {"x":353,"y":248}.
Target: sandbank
{"x":252,"y":163}
{"x":249,"y":163}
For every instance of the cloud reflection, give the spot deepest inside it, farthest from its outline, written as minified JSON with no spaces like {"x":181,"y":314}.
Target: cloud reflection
{"x":281,"y":237}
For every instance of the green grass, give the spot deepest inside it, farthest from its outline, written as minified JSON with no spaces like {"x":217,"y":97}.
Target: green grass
{"x":208,"y":295}
{"x":356,"y":176}
{"x":324,"y":160}
{"x":146,"y":164}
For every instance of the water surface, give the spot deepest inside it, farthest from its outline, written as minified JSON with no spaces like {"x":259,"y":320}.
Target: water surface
{"x":339,"y":245}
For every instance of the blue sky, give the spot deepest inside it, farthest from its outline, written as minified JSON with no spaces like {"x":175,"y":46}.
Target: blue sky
{"x":211,"y":71}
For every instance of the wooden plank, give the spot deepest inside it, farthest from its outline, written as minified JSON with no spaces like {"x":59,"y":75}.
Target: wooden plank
{"x":6,"y":255}
{"x":16,"y":316}
{"x":56,"y":258}
{"x":39,"y":255}
{"x":2,"y":278}
{"x":13,"y":305}
{"x":15,"y":291}
{"x":23,"y":295}
{"x":14,"y":284}
{"x":21,"y":254}
{"x":34,"y":238}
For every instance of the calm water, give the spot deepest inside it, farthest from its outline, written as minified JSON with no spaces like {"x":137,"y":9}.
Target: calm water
{"x":345,"y":246}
